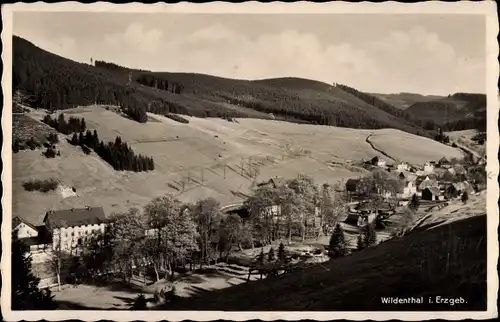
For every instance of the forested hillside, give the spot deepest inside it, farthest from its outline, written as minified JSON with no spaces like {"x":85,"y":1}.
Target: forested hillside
{"x":405,"y":100}
{"x":460,"y":111}
{"x":54,"y":82}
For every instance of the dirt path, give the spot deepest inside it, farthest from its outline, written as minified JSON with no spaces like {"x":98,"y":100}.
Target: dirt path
{"x":376,"y":149}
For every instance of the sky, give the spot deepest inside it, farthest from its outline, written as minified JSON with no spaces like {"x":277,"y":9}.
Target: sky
{"x":379,"y":53}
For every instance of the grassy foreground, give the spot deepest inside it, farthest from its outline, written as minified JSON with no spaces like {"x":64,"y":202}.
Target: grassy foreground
{"x":447,"y":261}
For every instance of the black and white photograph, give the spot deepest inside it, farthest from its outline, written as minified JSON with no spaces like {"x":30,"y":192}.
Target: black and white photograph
{"x":250,"y":161}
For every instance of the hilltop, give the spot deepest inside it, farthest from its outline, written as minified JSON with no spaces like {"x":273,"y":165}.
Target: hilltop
{"x":54,"y":82}
{"x":405,"y":100}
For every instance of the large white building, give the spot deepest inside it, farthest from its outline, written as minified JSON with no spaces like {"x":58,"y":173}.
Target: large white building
{"x":71,"y":228}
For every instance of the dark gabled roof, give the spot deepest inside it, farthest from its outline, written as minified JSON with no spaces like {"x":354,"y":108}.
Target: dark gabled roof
{"x":276,"y":182}
{"x":18,"y":220}
{"x":444,"y":160}
{"x":352,"y":184}
{"x":30,"y":241}
{"x":76,"y":217}
{"x":435,"y":191}
{"x":459,"y":168}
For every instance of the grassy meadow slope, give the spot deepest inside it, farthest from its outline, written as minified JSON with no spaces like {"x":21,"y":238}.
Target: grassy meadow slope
{"x":200,"y":150}
{"x":447,"y":261}
{"x":54,"y":82}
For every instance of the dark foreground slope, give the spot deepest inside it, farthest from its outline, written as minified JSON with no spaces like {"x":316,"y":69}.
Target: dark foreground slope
{"x":447,"y":261}
{"x":54,"y":82}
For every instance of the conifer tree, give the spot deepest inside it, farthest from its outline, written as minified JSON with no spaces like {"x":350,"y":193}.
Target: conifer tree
{"x":360,"y":244}
{"x":25,"y":292}
{"x":465,"y":197}
{"x":80,"y":139}
{"x":262,"y":257}
{"x":281,"y":253}
{"x":414,"y":203}
{"x":369,"y":235}
{"x":140,"y":303}
{"x":74,"y":139}
{"x":271,"y":256}
{"x":83,"y":126}
{"x":337,"y":246}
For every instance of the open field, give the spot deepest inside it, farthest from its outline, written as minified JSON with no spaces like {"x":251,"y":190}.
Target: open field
{"x":206,"y":156}
{"x":465,"y":138}
{"x":409,"y":147}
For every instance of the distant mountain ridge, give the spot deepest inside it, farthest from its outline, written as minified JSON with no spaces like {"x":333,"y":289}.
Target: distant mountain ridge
{"x":54,"y":82}
{"x":459,"y":111}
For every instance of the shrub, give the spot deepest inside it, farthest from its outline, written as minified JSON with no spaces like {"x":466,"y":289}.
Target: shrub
{"x":53,"y":138}
{"x":33,"y":143}
{"x":177,"y":118}
{"x":50,"y":153}
{"x":41,"y":185}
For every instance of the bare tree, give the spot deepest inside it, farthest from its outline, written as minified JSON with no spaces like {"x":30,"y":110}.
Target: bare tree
{"x":58,"y":254}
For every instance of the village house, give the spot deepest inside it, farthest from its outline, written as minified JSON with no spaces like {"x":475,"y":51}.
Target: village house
{"x":402,"y":166}
{"x":409,"y":190}
{"x":429,"y":167}
{"x":431,"y":194}
{"x":23,"y":228}
{"x":273,"y":182}
{"x":70,"y":228}
{"x":444,"y":163}
{"x":382,"y":163}
{"x":35,"y":237}
{"x":457,"y":169}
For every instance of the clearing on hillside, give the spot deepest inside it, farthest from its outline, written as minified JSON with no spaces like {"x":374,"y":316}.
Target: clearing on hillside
{"x":207,"y":157}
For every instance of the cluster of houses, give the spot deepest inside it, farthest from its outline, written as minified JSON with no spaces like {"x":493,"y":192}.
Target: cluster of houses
{"x":68,"y":229}
{"x":434,"y":181}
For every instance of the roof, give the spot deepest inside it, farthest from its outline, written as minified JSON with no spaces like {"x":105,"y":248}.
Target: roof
{"x":444,"y":160}
{"x":76,"y":217}
{"x":459,"y":168}
{"x":427,"y":183}
{"x":18,"y":220}
{"x":276,"y":181}
{"x":352,"y":219}
{"x":352,"y":184}
{"x":433,"y":190}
